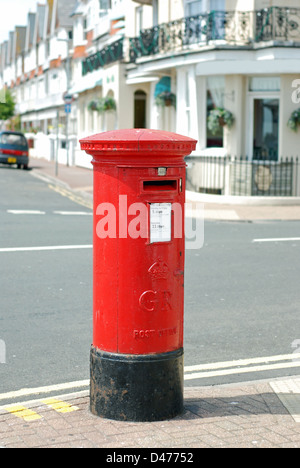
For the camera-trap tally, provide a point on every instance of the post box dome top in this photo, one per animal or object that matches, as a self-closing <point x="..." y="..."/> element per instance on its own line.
<point x="139" y="143"/>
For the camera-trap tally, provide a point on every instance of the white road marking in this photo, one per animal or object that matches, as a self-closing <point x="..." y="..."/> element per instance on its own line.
<point x="278" y="239"/>
<point x="50" y="388"/>
<point x="63" y="213"/>
<point x="73" y="213"/>
<point x="241" y="366"/>
<point x="243" y="362"/>
<point x="21" y="212"/>
<point x="202" y="375"/>
<point x="216" y="365"/>
<point x="37" y="249"/>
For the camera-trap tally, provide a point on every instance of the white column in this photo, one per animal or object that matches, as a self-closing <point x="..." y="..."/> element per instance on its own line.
<point x="153" y="108"/>
<point x="201" y="95"/>
<point x="181" y="115"/>
<point x="192" y="92"/>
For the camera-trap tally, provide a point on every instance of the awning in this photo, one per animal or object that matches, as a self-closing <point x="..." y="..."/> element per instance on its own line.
<point x="87" y="82"/>
<point x="164" y="85"/>
<point x="141" y="79"/>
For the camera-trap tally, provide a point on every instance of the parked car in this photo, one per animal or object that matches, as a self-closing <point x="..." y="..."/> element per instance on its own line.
<point x="14" y="149"/>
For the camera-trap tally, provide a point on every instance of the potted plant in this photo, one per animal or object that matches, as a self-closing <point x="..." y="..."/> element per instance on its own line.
<point x="218" y="118"/>
<point x="93" y="105"/>
<point x="294" y="120"/>
<point x="165" y="99"/>
<point x="107" y="103"/>
<point x="102" y="104"/>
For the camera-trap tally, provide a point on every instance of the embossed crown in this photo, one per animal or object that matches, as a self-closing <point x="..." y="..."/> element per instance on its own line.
<point x="159" y="270"/>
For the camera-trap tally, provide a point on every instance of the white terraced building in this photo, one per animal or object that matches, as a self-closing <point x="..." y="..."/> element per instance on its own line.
<point x="236" y="61"/>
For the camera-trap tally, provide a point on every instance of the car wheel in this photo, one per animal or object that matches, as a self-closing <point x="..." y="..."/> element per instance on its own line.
<point x="25" y="167"/>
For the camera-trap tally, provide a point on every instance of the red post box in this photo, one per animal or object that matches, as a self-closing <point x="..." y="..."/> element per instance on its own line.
<point x="137" y="352"/>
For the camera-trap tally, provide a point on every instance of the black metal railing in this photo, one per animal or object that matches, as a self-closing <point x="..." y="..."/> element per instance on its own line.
<point x="277" y="24"/>
<point x="109" y="54"/>
<point x="240" y="176"/>
<point x="242" y="28"/>
<point x="239" y="28"/>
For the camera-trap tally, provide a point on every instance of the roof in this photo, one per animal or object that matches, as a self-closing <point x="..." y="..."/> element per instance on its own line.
<point x="64" y="10"/>
<point x="42" y="18"/>
<point x="78" y="10"/>
<point x="50" y="12"/>
<point x="31" y="24"/>
<point x="20" y="39"/>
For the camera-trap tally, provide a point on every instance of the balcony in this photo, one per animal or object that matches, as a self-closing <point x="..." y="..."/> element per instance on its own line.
<point x="244" y="29"/>
<point x="38" y="104"/>
<point x="109" y="54"/>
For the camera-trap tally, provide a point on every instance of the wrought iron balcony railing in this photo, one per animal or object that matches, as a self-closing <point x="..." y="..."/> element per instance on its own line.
<point x="237" y="28"/>
<point x="109" y="54"/>
<point x="278" y="24"/>
<point x="231" y="28"/>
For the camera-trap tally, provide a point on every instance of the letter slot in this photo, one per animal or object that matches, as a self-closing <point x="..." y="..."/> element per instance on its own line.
<point x="159" y="185"/>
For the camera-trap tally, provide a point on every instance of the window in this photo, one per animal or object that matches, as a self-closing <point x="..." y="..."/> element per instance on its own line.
<point x="140" y="109"/>
<point x="266" y="129"/>
<point x="217" y="5"/>
<point x="155" y="12"/>
<point x="198" y="7"/>
<point x="264" y="99"/>
<point x="264" y="83"/>
<point x="13" y="139"/>
<point x="32" y="90"/>
<point x="138" y="20"/>
<point x="41" y="87"/>
<point x="46" y="82"/>
<point x="47" y="47"/>
<point x="194" y="7"/>
<point x="104" y="5"/>
<point x="215" y="90"/>
<point x="89" y="19"/>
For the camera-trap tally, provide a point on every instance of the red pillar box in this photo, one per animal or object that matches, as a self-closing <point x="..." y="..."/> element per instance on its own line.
<point x="137" y="352"/>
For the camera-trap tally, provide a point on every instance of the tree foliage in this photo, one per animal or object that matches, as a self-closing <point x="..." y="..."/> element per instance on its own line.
<point x="7" y="108"/>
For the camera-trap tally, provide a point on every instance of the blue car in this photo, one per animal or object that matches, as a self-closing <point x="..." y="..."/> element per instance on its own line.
<point x="14" y="149"/>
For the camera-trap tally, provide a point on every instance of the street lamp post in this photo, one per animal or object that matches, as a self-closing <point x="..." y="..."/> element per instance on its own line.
<point x="67" y="109"/>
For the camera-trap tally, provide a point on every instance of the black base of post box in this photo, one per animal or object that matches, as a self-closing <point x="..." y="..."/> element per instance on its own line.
<point x="136" y="387"/>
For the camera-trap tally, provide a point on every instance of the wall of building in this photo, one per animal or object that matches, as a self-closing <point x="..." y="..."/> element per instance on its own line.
<point x="240" y="5"/>
<point x="289" y="141"/>
<point x="235" y="102"/>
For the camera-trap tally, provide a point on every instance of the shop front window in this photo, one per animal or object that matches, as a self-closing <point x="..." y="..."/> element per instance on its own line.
<point x="264" y="94"/>
<point x="265" y="129"/>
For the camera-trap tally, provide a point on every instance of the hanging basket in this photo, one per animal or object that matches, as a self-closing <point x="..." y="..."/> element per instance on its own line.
<point x="103" y="104"/>
<point x="219" y="118"/>
<point x="165" y="99"/>
<point x="294" y="120"/>
<point x="107" y="104"/>
<point x="93" y="105"/>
